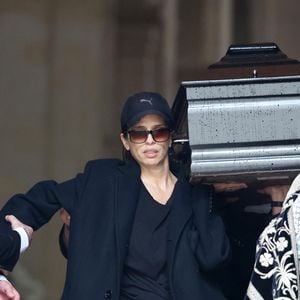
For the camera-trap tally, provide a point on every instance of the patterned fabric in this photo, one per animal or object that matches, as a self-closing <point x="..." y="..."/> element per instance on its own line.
<point x="275" y="274"/>
<point x="296" y="214"/>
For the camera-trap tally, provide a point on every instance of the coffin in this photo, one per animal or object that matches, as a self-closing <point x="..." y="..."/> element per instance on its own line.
<point x="240" y="119"/>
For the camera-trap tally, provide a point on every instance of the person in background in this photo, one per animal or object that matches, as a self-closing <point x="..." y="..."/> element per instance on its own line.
<point x="138" y="228"/>
<point x="12" y="245"/>
<point x="275" y="274"/>
<point x="245" y="214"/>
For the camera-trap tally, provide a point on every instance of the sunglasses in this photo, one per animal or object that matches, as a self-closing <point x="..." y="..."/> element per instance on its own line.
<point x="140" y="136"/>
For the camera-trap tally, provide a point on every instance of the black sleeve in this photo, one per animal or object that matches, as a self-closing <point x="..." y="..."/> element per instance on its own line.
<point x="210" y="242"/>
<point x="36" y="207"/>
<point x="39" y="204"/>
<point x="9" y="250"/>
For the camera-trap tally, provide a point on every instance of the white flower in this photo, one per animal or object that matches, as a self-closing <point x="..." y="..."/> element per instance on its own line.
<point x="282" y="243"/>
<point x="285" y="276"/>
<point x="266" y="259"/>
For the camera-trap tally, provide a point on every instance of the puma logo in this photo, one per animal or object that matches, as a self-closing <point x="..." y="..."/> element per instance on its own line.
<point x="146" y="100"/>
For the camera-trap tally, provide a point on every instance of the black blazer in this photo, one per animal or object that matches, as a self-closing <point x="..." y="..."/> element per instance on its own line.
<point x="102" y="203"/>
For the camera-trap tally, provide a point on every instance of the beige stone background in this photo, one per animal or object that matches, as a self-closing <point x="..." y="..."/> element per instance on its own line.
<point x="67" y="66"/>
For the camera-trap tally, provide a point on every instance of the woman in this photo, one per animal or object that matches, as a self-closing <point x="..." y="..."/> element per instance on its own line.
<point x="138" y="229"/>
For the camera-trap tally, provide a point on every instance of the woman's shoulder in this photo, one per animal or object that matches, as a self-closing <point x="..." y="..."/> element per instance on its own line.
<point x="112" y="167"/>
<point x="102" y="165"/>
<point x="105" y="162"/>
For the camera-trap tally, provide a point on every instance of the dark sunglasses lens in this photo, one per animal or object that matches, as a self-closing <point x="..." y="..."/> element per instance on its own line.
<point x="161" y="134"/>
<point x="138" y="136"/>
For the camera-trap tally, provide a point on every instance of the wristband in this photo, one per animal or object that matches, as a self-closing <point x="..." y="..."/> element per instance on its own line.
<point x="276" y="203"/>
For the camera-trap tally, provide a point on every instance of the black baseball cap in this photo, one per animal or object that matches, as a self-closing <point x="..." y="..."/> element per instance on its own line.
<point x="142" y="104"/>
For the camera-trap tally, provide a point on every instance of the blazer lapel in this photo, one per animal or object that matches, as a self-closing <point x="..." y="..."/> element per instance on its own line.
<point x="180" y="214"/>
<point x="127" y="192"/>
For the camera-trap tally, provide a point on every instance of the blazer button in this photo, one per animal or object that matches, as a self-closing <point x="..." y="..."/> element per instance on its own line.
<point x="108" y="294"/>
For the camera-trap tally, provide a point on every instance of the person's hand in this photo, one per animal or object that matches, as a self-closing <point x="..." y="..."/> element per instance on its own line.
<point x="277" y="194"/>
<point x="65" y="217"/>
<point x="15" y="223"/>
<point x="7" y="291"/>
<point x="229" y="186"/>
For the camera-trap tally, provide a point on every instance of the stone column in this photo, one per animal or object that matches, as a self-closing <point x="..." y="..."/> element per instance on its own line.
<point x="169" y="48"/>
<point x="277" y="21"/>
<point x="57" y="69"/>
<point x="82" y="73"/>
<point x="205" y="31"/>
<point x="217" y="32"/>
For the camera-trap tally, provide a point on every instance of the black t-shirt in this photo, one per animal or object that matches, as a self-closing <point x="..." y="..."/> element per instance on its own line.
<point x="145" y="271"/>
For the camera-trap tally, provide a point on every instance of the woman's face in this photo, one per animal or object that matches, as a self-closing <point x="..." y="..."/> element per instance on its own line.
<point x="148" y="153"/>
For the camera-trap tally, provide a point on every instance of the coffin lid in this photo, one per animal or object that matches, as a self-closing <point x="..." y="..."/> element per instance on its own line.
<point x="252" y="60"/>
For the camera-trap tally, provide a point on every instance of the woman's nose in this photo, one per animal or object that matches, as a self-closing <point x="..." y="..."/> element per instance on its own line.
<point x="150" y="139"/>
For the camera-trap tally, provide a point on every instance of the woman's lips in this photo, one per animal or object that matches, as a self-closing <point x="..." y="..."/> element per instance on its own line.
<point x="150" y="153"/>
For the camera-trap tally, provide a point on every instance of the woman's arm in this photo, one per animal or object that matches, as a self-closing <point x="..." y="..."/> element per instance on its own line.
<point x="208" y="238"/>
